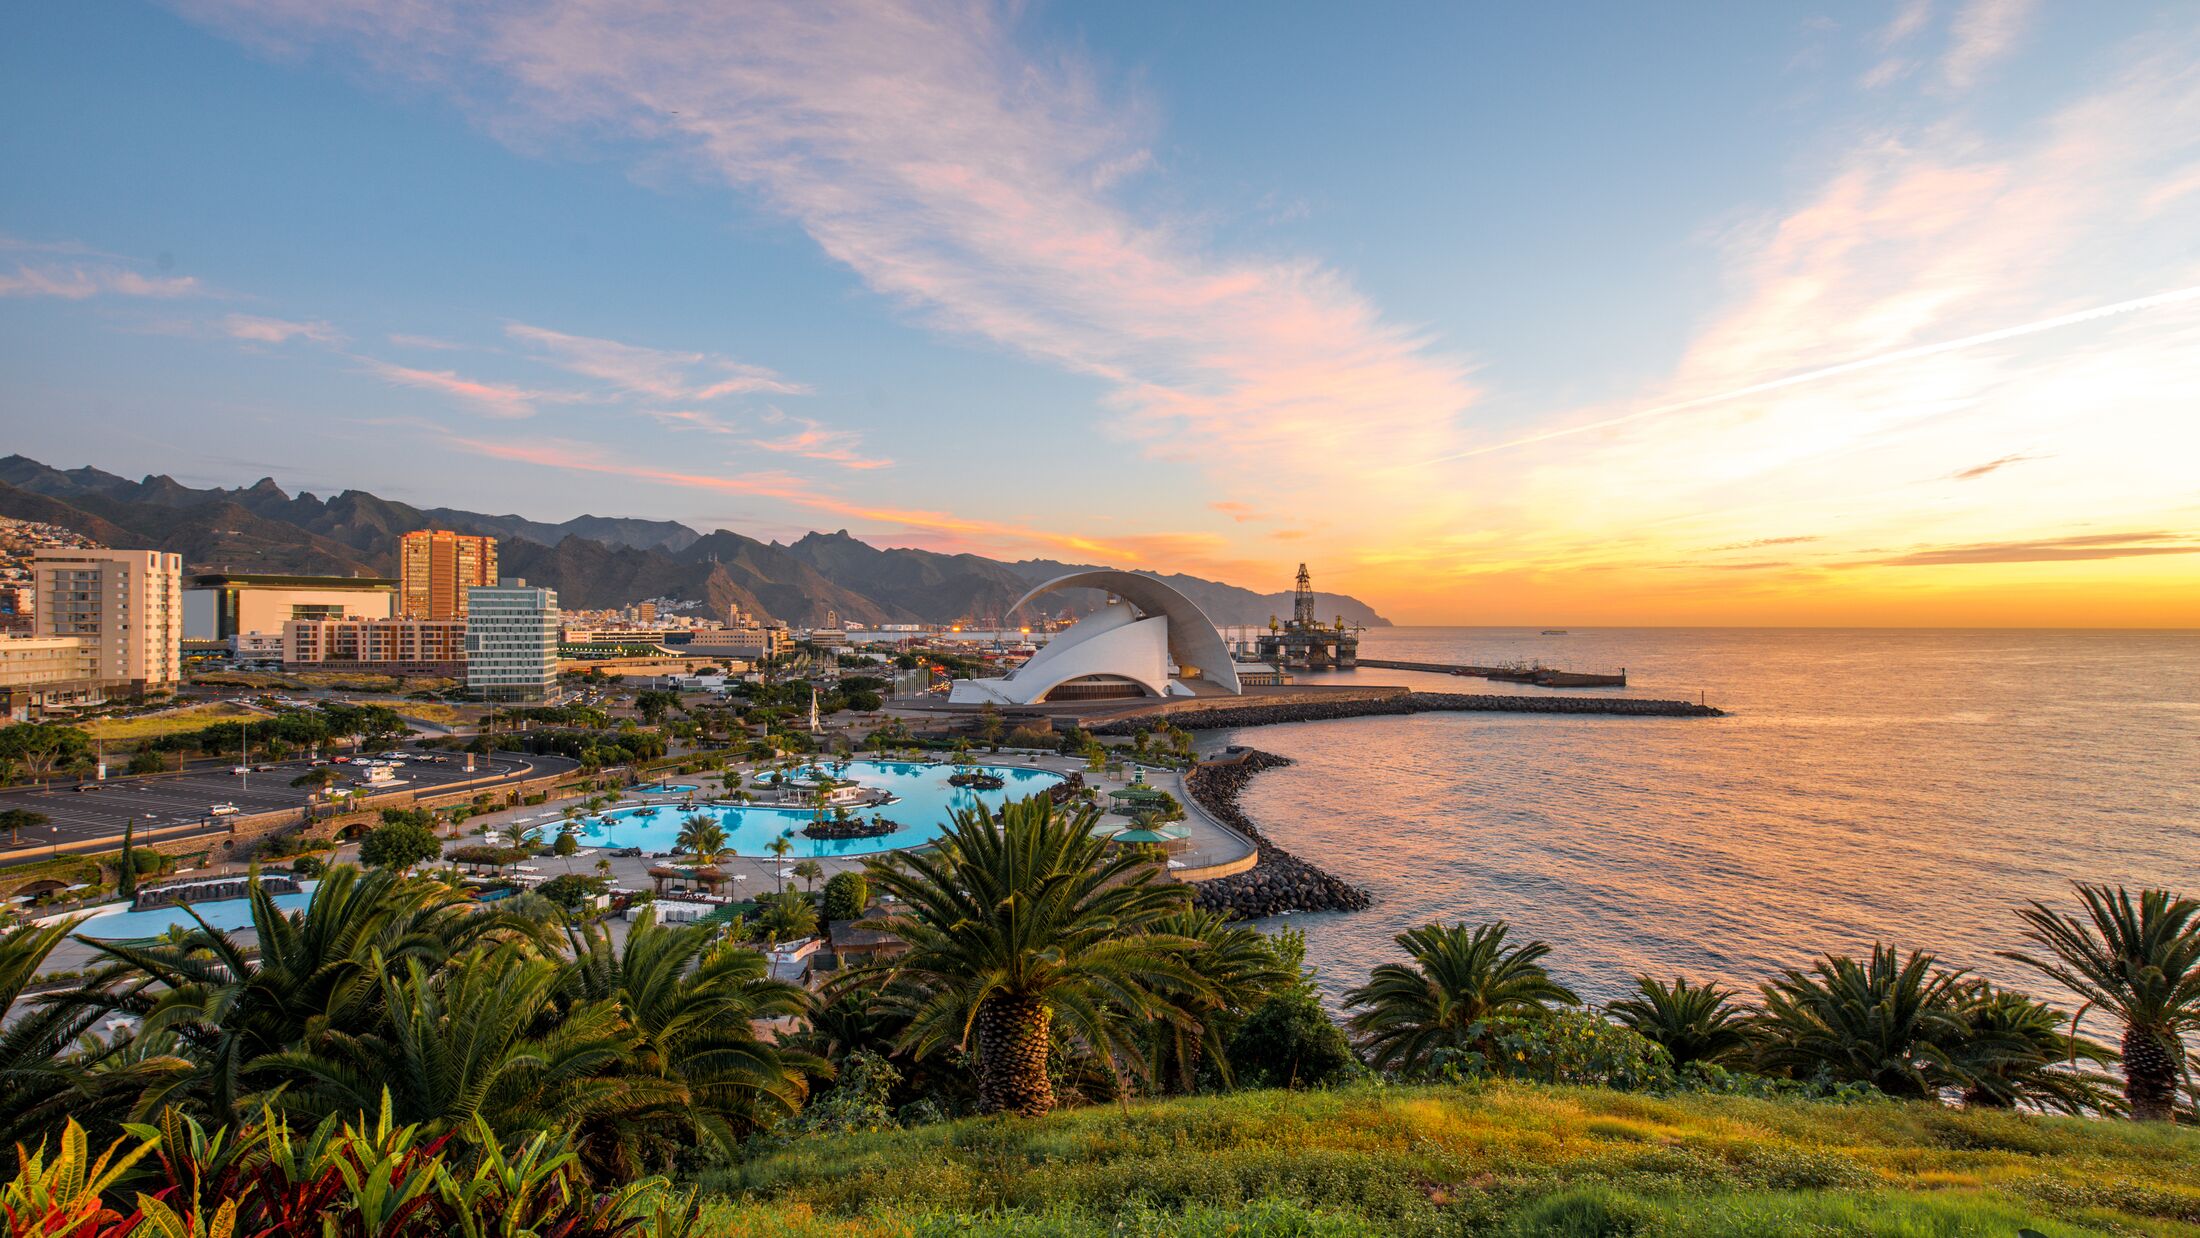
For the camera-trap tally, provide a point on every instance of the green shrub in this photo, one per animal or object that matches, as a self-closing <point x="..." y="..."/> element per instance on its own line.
<point x="1290" y="1041"/>
<point x="846" y="895"/>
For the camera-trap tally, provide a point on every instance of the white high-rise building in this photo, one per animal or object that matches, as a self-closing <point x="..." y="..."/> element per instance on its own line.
<point x="126" y="604"/>
<point x="511" y="641"/>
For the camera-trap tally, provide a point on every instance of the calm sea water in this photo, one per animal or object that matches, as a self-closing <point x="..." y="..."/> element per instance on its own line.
<point x="1913" y="787"/>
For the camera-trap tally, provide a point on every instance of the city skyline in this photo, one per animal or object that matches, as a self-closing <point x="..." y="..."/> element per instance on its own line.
<point x="1880" y="315"/>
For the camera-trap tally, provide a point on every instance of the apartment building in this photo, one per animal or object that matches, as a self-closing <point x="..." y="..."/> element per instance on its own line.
<point x="512" y="642"/>
<point x="435" y="569"/>
<point x="378" y="646"/>
<point x="126" y="604"/>
<point x="38" y="673"/>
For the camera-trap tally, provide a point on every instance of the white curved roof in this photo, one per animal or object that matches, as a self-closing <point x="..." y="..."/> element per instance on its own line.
<point x="1194" y="643"/>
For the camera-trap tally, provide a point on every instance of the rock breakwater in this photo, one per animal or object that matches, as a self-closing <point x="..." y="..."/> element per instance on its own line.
<point x="1253" y="711"/>
<point x="1278" y="881"/>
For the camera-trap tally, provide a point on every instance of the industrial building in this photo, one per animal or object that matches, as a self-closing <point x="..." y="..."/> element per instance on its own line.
<point x="219" y="606"/>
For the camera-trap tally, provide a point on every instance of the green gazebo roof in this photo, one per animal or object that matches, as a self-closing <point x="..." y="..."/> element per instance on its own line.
<point x="1162" y="834"/>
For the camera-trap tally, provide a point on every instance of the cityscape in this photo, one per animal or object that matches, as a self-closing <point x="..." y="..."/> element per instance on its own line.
<point x="899" y="618"/>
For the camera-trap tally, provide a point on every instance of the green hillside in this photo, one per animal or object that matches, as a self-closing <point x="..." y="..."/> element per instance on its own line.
<point x="1503" y="1158"/>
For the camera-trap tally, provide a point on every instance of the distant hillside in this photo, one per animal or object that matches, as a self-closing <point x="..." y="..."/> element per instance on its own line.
<point x="594" y="562"/>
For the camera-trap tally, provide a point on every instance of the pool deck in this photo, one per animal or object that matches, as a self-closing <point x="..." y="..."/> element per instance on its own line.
<point x="1214" y="849"/>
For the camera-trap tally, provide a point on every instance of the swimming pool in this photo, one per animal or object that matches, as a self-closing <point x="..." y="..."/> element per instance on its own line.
<point x="668" y="788"/>
<point x="924" y="800"/>
<point x="225" y="914"/>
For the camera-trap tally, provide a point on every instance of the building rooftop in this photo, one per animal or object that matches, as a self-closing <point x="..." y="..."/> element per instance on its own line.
<point x="227" y="580"/>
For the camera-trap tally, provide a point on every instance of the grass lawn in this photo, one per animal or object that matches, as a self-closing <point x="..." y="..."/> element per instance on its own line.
<point x="174" y="721"/>
<point x="1499" y="1159"/>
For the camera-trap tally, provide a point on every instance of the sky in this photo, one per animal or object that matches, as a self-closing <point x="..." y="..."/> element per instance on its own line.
<point x="1860" y="314"/>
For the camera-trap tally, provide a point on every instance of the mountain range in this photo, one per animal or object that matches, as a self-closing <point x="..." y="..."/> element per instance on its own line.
<point x="594" y="562"/>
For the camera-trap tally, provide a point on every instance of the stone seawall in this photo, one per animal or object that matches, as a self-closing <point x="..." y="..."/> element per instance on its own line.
<point x="1278" y="881"/>
<point x="1252" y="712"/>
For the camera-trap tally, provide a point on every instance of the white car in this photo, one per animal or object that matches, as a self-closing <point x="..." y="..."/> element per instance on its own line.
<point x="222" y="810"/>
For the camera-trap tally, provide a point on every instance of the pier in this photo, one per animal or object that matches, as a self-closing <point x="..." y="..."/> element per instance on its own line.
<point x="1541" y="676"/>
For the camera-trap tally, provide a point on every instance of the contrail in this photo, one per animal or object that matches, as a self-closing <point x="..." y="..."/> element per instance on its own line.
<point x="1846" y="367"/>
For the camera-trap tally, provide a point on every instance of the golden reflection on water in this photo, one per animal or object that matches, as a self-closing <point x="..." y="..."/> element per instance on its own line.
<point x="1907" y="786"/>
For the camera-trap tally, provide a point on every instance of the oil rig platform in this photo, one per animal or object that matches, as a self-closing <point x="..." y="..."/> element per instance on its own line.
<point x="1306" y="643"/>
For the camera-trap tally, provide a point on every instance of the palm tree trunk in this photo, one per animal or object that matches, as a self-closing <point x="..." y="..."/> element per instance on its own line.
<point x="2150" y="1074"/>
<point x="1013" y="1038"/>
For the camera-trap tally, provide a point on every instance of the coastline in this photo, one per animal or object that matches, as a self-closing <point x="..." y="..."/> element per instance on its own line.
<point x="1278" y="881"/>
<point x="1252" y="711"/>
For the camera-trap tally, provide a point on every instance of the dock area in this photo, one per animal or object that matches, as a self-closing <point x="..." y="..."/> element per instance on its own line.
<point x="1541" y="676"/>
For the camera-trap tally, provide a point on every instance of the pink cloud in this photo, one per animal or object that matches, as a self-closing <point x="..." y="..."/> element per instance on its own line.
<point x="816" y="442"/>
<point x="655" y="373"/>
<point x="495" y="399"/>
<point x="922" y="147"/>
<point x="278" y="331"/>
<point x="1982" y="32"/>
<point x="80" y="282"/>
<point x="429" y="342"/>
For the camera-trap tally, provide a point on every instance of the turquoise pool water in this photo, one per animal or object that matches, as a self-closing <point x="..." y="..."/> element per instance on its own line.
<point x="228" y="913"/>
<point x="669" y="788"/>
<point x="923" y="807"/>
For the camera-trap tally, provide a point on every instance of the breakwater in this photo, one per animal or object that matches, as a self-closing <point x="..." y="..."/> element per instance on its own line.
<point x="1536" y="673"/>
<point x="1278" y="881"/>
<point x="1255" y="711"/>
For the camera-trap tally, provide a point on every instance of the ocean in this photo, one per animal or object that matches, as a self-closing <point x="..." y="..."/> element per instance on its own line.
<point x="1901" y="786"/>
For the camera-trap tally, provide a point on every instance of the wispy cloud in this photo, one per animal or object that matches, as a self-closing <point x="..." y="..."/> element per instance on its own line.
<point x="1982" y="32"/>
<point x="429" y="342"/>
<point x="1761" y="542"/>
<point x="920" y="145"/>
<point x="655" y="373"/>
<point x="257" y="330"/>
<point x="2051" y="550"/>
<point x="1242" y="513"/>
<point x="81" y="281"/>
<point x="591" y="458"/>
<point x="1991" y="466"/>
<point x="496" y="399"/>
<point x="813" y="441"/>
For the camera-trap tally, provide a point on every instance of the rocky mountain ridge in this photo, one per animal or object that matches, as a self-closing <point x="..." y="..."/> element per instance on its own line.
<point x="594" y="562"/>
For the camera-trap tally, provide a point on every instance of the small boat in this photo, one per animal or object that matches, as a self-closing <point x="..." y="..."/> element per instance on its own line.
<point x="1556" y="632"/>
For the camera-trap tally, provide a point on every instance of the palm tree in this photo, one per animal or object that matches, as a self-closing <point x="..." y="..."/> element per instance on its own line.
<point x="315" y="975"/>
<point x="2018" y="1050"/>
<point x="692" y="1003"/>
<point x="476" y="1041"/>
<point x="809" y="871"/>
<point x="1238" y="969"/>
<point x="1692" y="1022"/>
<point x="2140" y="963"/>
<point x="1891" y="1023"/>
<point x="1020" y="927"/>
<point x="1411" y="1015"/>
<point x="47" y="1073"/>
<point x="701" y="836"/>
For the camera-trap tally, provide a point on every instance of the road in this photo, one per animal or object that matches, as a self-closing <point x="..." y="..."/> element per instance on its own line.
<point x="160" y="801"/>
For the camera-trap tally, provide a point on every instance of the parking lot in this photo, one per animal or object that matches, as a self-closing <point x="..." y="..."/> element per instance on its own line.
<point x="162" y="801"/>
